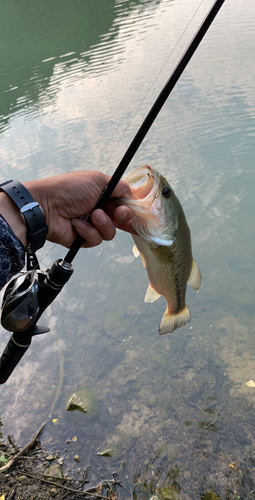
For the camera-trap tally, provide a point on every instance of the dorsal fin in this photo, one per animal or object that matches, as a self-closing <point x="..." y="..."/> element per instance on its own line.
<point x="151" y="295"/>
<point x="195" y="277"/>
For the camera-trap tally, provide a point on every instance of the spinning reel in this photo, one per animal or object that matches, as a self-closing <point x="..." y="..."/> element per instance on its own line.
<point x="20" y="307"/>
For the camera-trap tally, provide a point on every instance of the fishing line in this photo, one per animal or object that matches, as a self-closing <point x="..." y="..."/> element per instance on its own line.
<point x="50" y="250"/>
<point x="151" y="86"/>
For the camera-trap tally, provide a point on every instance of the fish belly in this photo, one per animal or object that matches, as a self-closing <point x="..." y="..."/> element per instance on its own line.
<point x="168" y="273"/>
<point x="164" y="272"/>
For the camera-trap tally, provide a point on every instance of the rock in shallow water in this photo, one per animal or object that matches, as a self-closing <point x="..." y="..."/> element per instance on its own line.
<point x="83" y="400"/>
<point x="53" y="470"/>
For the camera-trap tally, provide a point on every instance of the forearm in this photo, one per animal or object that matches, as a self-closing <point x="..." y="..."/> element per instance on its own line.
<point x="12" y="215"/>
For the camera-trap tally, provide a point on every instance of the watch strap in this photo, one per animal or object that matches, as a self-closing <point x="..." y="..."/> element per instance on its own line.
<point x="30" y="210"/>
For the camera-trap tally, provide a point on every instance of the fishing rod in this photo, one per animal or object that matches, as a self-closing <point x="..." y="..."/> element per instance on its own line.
<point x="28" y="295"/>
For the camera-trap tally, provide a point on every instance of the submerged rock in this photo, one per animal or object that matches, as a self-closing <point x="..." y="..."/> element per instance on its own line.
<point x="151" y="401"/>
<point x="210" y="495"/>
<point x="113" y="325"/>
<point x="170" y="493"/>
<point x="53" y="492"/>
<point x="23" y="479"/>
<point x="53" y="470"/>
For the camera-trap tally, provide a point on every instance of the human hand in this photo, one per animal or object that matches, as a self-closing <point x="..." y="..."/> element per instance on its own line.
<point x="67" y="197"/>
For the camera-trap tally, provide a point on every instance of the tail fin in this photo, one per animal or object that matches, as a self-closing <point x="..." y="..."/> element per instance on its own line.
<point x="170" y="322"/>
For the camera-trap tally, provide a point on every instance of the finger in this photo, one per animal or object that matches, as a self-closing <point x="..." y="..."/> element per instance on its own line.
<point x="103" y="224"/>
<point x="102" y="228"/>
<point x="118" y="213"/>
<point x="121" y="216"/>
<point x="88" y="232"/>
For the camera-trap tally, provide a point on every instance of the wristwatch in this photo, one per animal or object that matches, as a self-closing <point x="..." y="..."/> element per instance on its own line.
<point x="31" y="212"/>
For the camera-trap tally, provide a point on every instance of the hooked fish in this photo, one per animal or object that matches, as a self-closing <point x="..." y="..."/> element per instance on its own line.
<point x="164" y="244"/>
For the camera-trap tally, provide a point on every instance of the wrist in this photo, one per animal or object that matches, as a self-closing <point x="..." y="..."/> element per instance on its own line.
<point x="13" y="217"/>
<point x="39" y="191"/>
<point x="29" y="210"/>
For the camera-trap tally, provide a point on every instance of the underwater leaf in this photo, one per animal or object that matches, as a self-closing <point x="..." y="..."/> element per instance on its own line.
<point x="105" y="453"/>
<point x="83" y="400"/>
<point x="73" y="439"/>
<point x="99" y="487"/>
<point x="112" y="451"/>
<point x="76" y="403"/>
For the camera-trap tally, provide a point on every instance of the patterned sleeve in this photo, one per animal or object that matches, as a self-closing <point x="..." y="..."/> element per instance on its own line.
<point x="12" y="253"/>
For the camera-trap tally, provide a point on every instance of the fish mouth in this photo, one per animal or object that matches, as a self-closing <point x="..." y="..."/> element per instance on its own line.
<point x="144" y="182"/>
<point x="148" y="213"/>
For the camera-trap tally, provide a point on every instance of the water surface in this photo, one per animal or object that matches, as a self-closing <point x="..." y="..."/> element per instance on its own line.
<point x="77" y="79"/>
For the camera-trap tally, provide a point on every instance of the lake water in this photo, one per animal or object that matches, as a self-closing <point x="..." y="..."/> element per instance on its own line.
<point x="77" y="79"/>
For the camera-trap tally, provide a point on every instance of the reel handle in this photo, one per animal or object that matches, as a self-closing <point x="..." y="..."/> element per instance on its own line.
<point x="15" y="349"/>
<point x="11" y="356"/>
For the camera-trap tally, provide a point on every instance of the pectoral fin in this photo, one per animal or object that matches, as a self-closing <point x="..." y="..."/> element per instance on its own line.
<point x="135" y="251"/>
<point x="151" y="295"/>
<point x="136" y="254"/>
<point x="170" y="322"/>
<point x="195" y="278"/>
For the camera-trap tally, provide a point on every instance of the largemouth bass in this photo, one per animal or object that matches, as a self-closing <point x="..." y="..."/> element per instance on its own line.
<point x="164" y="244"/>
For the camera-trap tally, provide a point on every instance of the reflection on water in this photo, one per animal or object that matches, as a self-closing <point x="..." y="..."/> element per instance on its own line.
<point x="40" y="41"/>
<point x="175" y="411"/>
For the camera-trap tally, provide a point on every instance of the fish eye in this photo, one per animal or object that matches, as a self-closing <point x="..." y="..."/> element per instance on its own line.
<point x="166" y="191"/>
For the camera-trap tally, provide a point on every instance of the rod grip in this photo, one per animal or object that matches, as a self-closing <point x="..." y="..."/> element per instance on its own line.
<point x="11" y="356"/>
